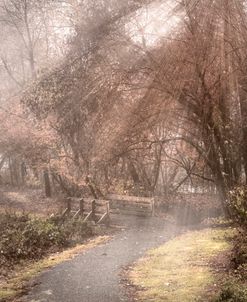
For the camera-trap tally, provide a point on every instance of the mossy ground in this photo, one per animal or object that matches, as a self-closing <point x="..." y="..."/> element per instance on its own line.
<point x="25" y="272"/>
<point x="180" y="270"/>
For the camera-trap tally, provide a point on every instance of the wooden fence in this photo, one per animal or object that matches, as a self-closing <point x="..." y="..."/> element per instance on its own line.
<point x="131" y="205"/>
<point x="96" y="210"/>
<point x="99" y="210"/>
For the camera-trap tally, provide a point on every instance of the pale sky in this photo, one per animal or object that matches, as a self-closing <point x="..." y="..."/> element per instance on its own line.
<point x="153" y="22"/>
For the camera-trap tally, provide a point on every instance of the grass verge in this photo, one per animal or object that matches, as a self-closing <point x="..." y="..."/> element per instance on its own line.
<point x="180" y="270"/>
<point x="26" y="271"/>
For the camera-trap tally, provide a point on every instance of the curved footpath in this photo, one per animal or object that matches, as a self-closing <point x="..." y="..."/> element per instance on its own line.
<point x="94" y="276"/>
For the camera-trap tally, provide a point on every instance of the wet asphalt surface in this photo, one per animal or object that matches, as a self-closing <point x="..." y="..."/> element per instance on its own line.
<point x="94" y="276"/>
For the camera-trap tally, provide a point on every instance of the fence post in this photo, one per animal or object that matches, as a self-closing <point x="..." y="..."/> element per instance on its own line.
<point x="108" y="213"/>
<point x="69" y="204"/>
<point x="81" y="206"/>
<point x="94" y="210"/>
<point x="68" y="209"/>
<point x="153" y="203"/>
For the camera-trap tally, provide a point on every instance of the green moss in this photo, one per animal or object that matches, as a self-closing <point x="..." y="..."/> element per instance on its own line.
<point x="179" y="270"/>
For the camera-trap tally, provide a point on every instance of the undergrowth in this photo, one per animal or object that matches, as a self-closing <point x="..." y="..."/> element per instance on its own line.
<point x="25" y="238"/>
<point x="232" y="291"/>
<point x="235" y="289"/>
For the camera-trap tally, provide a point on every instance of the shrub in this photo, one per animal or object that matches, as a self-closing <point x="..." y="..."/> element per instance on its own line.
<point x="232" y="292"/>
<point x="240" y="249"/>
<point x="22" y="237"/>
<point x="238" y="204"/>
<point x="242" y="272"/>
<point x="76" y="230"/>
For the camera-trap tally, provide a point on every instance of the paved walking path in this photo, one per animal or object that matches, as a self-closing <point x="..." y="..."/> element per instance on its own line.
<point x="95" y="275"/>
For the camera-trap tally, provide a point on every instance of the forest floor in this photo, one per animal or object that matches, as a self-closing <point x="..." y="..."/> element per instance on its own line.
<point x="31" y="201"/>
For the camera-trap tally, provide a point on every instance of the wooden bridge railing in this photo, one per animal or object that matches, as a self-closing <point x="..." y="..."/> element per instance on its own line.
<point x="96" y="210"/>
<point x="131" y="205"/>
<point x="99" y="210"/>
